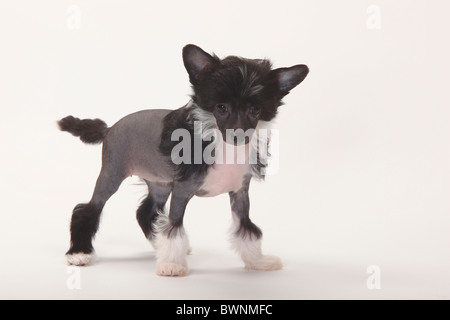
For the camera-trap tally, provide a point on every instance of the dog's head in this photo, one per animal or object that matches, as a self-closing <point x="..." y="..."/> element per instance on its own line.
<point x="238" y="92"/>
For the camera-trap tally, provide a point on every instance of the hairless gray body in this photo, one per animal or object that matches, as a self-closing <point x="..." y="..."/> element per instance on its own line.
<point x="131" y="148"/>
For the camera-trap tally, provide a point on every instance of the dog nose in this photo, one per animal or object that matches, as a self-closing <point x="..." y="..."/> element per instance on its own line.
<point x="237" y="136"/>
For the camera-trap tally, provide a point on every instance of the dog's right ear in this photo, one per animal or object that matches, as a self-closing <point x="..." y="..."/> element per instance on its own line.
<point x="287" y="79"/>
<point x="197" y="62"/>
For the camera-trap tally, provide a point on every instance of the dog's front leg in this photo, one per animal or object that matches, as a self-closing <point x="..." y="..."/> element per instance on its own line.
<point x="171" y="241"/>
<point x="246" y="236"/>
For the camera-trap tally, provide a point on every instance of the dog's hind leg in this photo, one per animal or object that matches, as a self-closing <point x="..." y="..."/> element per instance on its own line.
<point x="152" y="206"/>
<point x="86" y="217"/>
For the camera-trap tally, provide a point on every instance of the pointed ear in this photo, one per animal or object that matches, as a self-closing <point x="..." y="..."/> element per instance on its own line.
<point x="288" y="78"/>
<point x="197" y="62"/>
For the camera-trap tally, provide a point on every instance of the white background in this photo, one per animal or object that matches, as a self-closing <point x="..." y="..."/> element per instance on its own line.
<point x="364" y="175"/>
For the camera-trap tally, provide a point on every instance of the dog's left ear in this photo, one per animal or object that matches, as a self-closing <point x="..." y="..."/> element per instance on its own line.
<point x="197" y="62"/>
<point x="287" y="79"/>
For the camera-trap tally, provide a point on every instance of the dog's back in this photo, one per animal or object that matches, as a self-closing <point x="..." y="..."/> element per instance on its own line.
<point x="131" y="146"/>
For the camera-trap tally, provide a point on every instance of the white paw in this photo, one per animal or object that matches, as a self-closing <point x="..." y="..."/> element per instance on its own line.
<point x="170" y="269"/>
<point x="264" y="263"/>
<point x="80" y="259"/>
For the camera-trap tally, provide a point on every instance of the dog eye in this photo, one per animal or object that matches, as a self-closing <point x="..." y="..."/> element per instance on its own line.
<point x="255" y="111"/>
<point x="222" y="108"/>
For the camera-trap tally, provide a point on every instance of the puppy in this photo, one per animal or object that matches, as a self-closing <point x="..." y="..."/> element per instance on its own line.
<point x="210" y="146"/>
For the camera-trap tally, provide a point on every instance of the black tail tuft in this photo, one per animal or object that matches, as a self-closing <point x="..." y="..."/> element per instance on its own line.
<point x="89" y="131"/>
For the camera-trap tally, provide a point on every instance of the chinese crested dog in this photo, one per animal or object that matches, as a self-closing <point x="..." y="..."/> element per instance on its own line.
<point x="215" y="144"/>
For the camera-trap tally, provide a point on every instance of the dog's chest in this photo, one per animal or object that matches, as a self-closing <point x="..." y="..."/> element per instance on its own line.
<point x="228" y="173"/>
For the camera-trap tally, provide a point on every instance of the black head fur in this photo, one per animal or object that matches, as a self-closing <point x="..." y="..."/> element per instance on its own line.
<point x="239" y="84"/>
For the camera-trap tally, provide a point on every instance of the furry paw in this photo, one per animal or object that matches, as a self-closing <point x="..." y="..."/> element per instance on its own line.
<point x="79" y="259"/>
<point x="170" y="269"/>
<point x="265" y="263"/>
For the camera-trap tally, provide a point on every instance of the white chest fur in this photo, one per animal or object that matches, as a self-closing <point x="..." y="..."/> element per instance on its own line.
<point x="228" y="172"/>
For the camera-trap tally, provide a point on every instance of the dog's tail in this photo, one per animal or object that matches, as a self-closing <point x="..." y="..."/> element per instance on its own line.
<point x="89" y="131"/>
